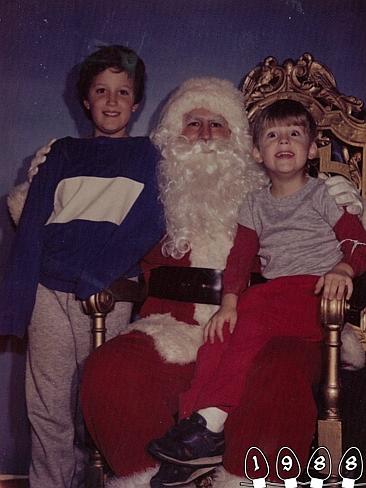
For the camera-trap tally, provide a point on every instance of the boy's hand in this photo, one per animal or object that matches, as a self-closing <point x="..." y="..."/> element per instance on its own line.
<point x="215" y="325"/>
<point x="39" y="158"/>
<point x="336" y="282"/>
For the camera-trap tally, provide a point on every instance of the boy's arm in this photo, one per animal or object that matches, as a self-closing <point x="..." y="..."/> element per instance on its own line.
<point x="236" y="277"/>
<point x="352" y="238"/>
<point x="18" y="288"/>
<point x="240" y="260"/>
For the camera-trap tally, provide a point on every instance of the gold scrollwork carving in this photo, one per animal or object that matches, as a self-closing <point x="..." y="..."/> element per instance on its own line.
<point x="306" y="77"/>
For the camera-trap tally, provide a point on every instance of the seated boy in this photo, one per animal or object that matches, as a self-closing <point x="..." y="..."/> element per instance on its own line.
<point x="91" y="214"/>
<point x="306" y="244"/>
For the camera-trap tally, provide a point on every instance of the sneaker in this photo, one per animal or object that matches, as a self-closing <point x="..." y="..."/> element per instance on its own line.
<point x="191" y="444"/>
<point x="174" y="475"/>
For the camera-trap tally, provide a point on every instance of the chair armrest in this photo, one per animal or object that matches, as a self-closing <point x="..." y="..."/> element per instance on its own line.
<point x="99" y="305"/>
<point x="125" y="290"/>
<point x="332" y="314"/>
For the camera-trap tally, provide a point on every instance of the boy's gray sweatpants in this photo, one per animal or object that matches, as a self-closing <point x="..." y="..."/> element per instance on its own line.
<point x="59" y="342"/>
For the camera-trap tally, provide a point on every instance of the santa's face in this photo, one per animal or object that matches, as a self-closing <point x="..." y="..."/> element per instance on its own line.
<point x="201" y="124"/>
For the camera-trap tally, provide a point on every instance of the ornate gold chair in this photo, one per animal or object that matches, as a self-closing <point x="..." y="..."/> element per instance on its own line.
<point x="342" y="150"/>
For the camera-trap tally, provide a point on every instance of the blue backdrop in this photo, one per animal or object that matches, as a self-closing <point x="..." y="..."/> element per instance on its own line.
<point x="41" y="42"/>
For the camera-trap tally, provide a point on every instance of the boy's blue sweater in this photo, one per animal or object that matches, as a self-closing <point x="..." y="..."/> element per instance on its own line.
<point x="91" y="214"/>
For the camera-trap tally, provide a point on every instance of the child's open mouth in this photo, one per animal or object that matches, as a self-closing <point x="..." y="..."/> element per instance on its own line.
<point x="284" y="155"/>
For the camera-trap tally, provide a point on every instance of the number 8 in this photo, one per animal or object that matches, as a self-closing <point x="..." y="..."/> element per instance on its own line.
<point x="319" y="463"/>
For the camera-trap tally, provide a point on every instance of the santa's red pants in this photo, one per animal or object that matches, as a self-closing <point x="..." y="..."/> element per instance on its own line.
<point x="130" y="394"/>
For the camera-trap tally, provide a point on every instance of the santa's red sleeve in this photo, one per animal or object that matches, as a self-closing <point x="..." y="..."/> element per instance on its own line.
<point x="241" y="260"/>
<point x="352" y="237"/>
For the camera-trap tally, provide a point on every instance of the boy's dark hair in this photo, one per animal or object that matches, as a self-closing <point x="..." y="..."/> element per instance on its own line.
<point x="287" y="111"/>
<point x="120" y="58"/>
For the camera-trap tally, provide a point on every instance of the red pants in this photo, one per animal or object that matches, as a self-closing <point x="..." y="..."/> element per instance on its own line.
<point x="284" y="307"/>
<point x="129" y="396"/>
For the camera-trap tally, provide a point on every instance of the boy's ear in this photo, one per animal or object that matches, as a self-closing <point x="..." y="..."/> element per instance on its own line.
<point x="313" y="150"/>
<point x="135" y="107"/>
<point x="257" y="155"/>
<point x="86" y="104"/>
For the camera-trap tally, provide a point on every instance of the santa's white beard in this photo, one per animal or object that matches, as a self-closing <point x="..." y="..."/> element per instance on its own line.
<point x="201" y="187"/>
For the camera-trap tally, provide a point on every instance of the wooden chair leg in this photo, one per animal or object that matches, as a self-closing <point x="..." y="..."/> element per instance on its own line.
<point x="330" y="422"/>
<point x="97" y="307"/>
<point x="95" y="475"/>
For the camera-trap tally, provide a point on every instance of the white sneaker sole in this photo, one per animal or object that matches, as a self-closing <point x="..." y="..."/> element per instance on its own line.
<point x="208" y="461"/>
<point x="196" y="474"/>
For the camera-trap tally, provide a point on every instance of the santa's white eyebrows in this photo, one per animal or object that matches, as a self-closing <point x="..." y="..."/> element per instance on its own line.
<point x="197" y="118"/>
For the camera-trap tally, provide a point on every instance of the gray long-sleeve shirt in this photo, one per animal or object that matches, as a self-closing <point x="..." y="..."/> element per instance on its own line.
<point x="295" y="232"/>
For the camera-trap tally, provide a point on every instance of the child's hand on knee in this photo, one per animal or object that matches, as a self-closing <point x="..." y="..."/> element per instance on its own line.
<point x="226" y="314"/>
<point x="215" y="326"/>
<point x="336" y="282"/>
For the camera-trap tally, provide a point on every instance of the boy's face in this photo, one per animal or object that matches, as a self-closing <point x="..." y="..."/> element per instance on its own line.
<point x="284" y="149"/>
<point x="111" y="103"/>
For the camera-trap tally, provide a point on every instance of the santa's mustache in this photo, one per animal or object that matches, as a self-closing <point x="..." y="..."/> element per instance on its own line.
<point x="183" y="149"/>
<point x="185" y="161"/>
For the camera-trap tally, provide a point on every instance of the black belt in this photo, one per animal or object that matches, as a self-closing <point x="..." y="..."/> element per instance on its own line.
<point x="193" y="285"/>
<point x="182" y="284"/>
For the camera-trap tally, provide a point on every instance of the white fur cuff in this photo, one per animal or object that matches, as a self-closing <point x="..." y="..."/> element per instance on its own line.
<point x="176" y="342"/>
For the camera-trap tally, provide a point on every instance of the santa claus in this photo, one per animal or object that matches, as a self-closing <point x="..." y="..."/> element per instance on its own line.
<point x="131" y="385"/>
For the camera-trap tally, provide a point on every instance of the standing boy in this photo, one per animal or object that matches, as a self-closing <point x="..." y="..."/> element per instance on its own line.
<point x="297" y="230"/>
<point x="91" y="214"/>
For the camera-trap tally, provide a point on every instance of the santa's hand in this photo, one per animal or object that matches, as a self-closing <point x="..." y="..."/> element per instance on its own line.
<point x="39" y="158"/>
<point x="345" y="194"/>
<point x="215" y="326"/>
